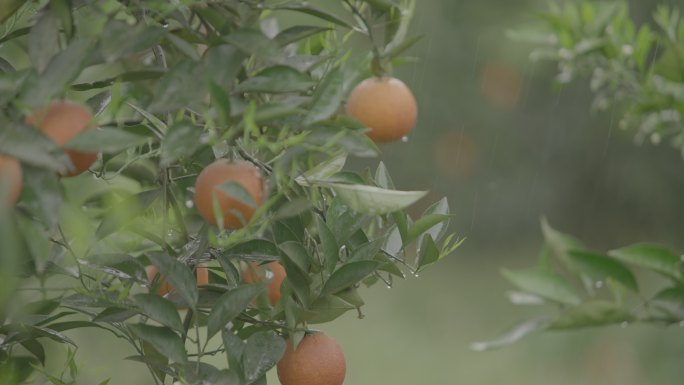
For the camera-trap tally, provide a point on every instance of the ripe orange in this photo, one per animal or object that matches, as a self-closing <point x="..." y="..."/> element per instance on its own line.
<point x="318" y="360"/>
<point x="201" y="273"/>
<point x="235" y="213"/>
<point x="10" y="179"/>
<point x="386" y="106"/>
<point x="61" y="121"/>
<point x="252" y="274"/>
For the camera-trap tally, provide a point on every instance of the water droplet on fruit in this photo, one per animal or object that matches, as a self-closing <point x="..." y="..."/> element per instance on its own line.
<point x="269" y="274"/>
<point x="189" y="203"/>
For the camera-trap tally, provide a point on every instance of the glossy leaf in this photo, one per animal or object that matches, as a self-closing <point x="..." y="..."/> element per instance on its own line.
<point x="348" y="275"/>
<point x="230" y="305"/>
<point x="160" y="310"/>
<point x="178" y="275"/>
<point x="653" y="257"/>
<point x="373" y="200"/>
<point x="163" y="339"/>
<point x="600" y="267"/>
<point x="544" y="284"/>
<point x="262" y="351"/>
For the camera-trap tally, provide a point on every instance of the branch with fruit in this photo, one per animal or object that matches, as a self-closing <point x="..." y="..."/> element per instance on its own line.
<point x="175" y="174"/>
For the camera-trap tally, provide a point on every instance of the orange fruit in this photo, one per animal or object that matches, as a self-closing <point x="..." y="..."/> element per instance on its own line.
<point x="10" y="179"/>
<point x="386" y="106"/>
<point x="201" y="274"/>
<point x="502" y="85"/>
<point x="318" y="360"/>
<point x="235" y="212"/>
<point x="251" y="274"/>
<point x="61" y="121"/>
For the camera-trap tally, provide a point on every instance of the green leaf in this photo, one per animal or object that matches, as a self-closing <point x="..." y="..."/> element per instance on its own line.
<point x="424" y="224"/>
<point x="9" y="7"/>
<point x="43" y="41"/>
<point x="16" y="369"/>
<point x="314" y="11"/>
<point x="296" y="33"/>
<point x="114" y="314"/>
<point x="296" y="277"/>
<point x="517" y="333"/>
<point x="544" y="284"/>
<point x="63" y="68"/>
<point x="327" y="97"/>
<point x="119" y="39"/>
<point x="182" y="139"/>
<point x="238" y="192"/>
<point x="329" y="246"/>
<point x="348" y="275"/>
<point x="30" y="146"/>
<point x="396" y="51"/>
<point x="651" y="256"/>
<point x="592" y="313"/>
<point x="109" y="141"/>
<point x="127" y="210"/>
<point x="428" y="253"/>
<point x="560" y="243"/>
<point x="381" y="5"/>
<point x="297" y="253"/>
<point x="256" y="250"/>
<point x="132" y="76"/>
<point x="178" y="275"/>
<point x="324" y="170"/>
<point x="42" y="194"/>
<point x="262" y="351"/>
<point x="35" y="348"/>
<point x="62" y="8"/>
<point x="163" y="339"/>
<point x="36" y="241"/>
<point x="374" y="200"/>
<point x="327" y="309"/>
<point x="234" y="349"/>
<point x="253" y="42"/>
<point x="671" y="301"/>
<point x="185" y="85"/>
<point x="160" y="310"/>
<point x="293" y="208"/>
<point x="230" y="305"/>
<point x="600" y="267"/>
<point x="367" y="250"/>
<point x="276" y="79"/>
<point x="383" y="178"/>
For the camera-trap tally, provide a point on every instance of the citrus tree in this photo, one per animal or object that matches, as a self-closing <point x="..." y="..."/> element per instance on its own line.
<point x="174" y="175"/>
<point x="637" y="71"/>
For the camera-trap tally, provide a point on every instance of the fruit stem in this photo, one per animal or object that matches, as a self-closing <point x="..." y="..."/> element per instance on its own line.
<point x="369" y="30"/>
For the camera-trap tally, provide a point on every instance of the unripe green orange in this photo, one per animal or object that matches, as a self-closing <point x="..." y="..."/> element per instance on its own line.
<point x="61" y="121"/>
<point x="235" y="213"/>
<point x="386" y="106"/>
<point x="10" y="179"/>
<point x="318" y="360"/>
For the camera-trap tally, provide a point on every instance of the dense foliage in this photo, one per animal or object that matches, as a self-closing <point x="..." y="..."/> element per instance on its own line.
<point x="174" y="86"/>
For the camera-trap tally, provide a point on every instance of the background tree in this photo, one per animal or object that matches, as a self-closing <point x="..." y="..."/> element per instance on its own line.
<point x="638" y="71"/>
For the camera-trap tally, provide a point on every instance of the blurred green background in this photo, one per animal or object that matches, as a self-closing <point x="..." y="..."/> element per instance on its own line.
<point x="506" y="148"/>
